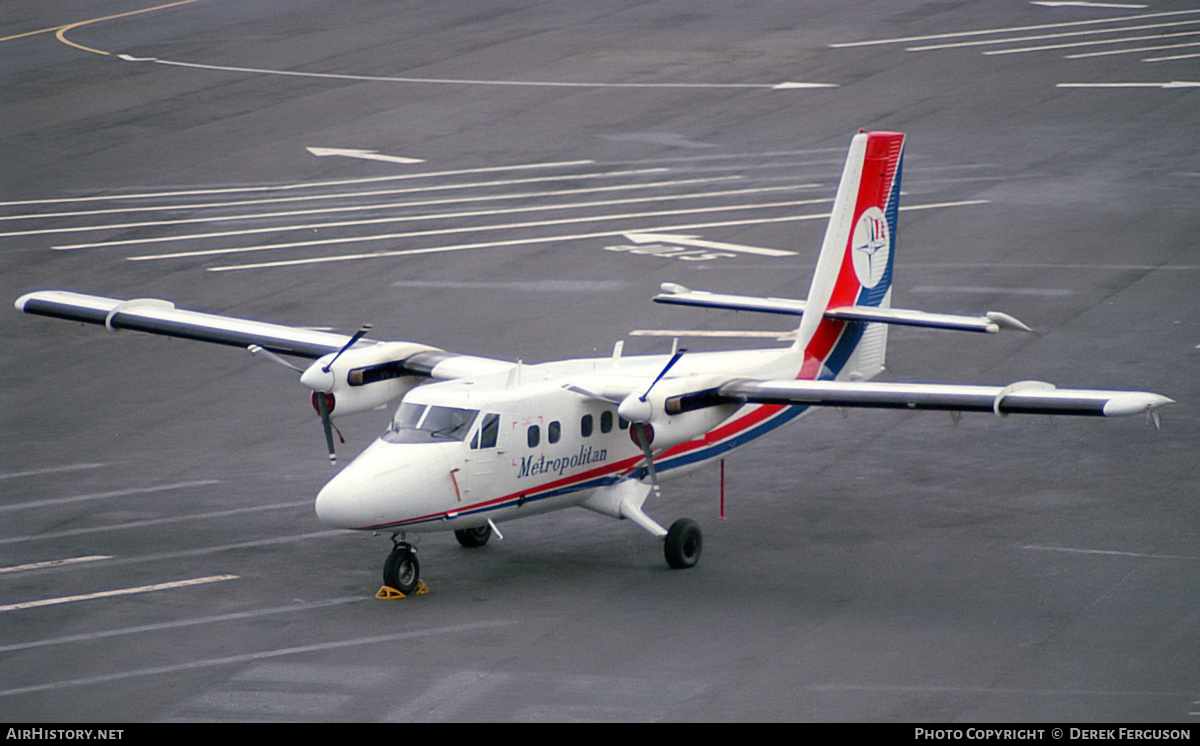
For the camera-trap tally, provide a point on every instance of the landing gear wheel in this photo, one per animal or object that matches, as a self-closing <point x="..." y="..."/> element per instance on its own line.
<point x="401" y="570"/>
<point x="683" y="544"/>
<point x="472" y="538"/>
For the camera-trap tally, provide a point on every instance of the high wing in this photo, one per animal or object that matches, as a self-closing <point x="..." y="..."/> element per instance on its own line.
<point x="348" y="375"/>
<point x="156" y="316"/>
<point x="991" y="322"/>
<point x="1025" y="397"/>
<point x="162" y="317"/>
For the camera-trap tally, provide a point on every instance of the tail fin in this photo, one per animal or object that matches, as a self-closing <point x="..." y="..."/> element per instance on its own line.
<point x="855" y="264"/>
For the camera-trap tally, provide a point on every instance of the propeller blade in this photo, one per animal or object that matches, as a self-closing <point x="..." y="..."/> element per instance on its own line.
<point x="357" y="336"/>
<point x="674" y="359"/>
<point x="643" y="439"/>
<point x="255" y="350"/>
<point x="326" y="422"/>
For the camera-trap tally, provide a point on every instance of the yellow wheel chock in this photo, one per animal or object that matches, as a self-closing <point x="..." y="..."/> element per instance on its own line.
<point x="386" y="592"/>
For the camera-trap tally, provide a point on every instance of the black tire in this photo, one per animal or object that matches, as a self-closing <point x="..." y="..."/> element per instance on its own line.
<point x="402" y="571"/>
<point x="473" y="538"/>
<point x="683" y="544"/>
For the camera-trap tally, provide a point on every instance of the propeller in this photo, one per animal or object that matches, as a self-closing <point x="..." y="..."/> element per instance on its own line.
<point x="323" y="399"/>
<point x="321" y="382"/>
<point x="638" y="412"/>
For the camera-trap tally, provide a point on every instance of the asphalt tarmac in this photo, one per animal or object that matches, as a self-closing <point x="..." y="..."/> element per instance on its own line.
<point x="463" y="175"/>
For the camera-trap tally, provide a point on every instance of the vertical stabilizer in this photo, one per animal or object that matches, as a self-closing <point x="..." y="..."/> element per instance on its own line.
<point x="855" y="264"/>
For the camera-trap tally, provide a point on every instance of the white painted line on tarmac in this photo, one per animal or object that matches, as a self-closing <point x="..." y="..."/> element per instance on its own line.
<point x="336" y="195"/>
<point x="295" y="186"/>
<point x="1138" y="50"/>
<point x="160" y="626"/>
<point x="104" y="495"/>
<point x="1062" y="35"/>
<point x="373" y="206"/>
<point x="1043" y="292"/>
<point x="149" y="522"/>
<point x="581" y="236"/>
<point x="243" y="659"/>
<point x="432" y="216"/>
<point x="785" y="85"/>
<point x="468" y="229"/>
<point x="1172" y="57"/>
<point x="1009" y="29"/>
<point x="50" y="470"/>
<point x="1095" y="43"/>
<point x="117" y="592"/>
<point x="1108" y="552"/>
<point x="54" y="563"/>
<point x="479" y="245"/>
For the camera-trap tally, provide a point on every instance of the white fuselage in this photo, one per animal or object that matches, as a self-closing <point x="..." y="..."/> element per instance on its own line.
<point x="508" y="445"/>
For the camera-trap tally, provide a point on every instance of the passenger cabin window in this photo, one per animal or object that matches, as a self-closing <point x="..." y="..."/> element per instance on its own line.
<point x="585" y="425"/>
<point x="553" y="432"/>
<point x="423" y="423"/>
<point x="534" y="436"/>
<point x="606" y="418"/>
<point x="485" y="436"/>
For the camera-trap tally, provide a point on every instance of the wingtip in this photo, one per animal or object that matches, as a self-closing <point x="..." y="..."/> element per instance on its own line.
<point x="1004" y="321"/>
<point x="1135" y="402"/>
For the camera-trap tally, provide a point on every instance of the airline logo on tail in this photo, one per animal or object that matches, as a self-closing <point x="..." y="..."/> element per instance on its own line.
<point x="871" y="244"/>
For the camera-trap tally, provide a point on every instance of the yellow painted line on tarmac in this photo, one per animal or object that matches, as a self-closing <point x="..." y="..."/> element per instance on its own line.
<point x="61" y="31"/>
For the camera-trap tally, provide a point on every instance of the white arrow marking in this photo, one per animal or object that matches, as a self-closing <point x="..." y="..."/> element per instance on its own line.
<point x="677" y="239"/>
<point x="792" y="85"/>
<point x="367" y="155"/>
<point x="1172" y="84"/>
<point x="1083" y="4"/>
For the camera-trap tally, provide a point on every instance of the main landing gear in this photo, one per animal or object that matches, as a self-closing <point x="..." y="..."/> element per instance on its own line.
<point x="682" y="544"/>
<point x="473" y="538"/>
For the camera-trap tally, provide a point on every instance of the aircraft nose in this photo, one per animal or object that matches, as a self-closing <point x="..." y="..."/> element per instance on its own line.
<point x="340" y="502"/>
<point x="388" y="484"/>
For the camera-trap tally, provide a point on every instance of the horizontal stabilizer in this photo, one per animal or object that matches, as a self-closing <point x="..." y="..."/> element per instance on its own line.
<point x="991" y="322"/>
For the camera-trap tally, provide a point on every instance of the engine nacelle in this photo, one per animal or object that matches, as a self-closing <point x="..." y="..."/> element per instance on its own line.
<point x="669" y="424"/>
<point x="364" y="378"/>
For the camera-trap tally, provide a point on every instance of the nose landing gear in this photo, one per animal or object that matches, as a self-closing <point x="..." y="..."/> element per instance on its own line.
<point x="402" y="571"/>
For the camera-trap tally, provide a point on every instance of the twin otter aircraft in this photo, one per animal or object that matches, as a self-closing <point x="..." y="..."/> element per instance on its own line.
<point x="478" y="441"/>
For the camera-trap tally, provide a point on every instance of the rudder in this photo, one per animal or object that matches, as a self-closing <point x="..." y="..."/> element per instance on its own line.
<point x="855" y="264"/>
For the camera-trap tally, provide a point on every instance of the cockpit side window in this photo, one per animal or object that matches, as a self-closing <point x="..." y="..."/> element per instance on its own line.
<point x="486" y="436"/>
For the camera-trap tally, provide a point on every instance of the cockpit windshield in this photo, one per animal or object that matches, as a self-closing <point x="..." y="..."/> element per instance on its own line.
<point x="421" y="423"/>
